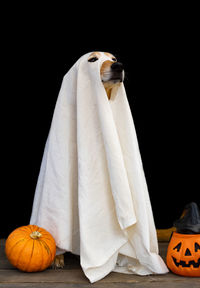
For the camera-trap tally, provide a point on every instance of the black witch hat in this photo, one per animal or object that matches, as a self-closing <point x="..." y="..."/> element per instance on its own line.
<point x="189" y="222"/>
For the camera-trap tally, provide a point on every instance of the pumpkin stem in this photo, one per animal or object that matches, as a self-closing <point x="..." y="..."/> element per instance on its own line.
<point x="35" y="235"/>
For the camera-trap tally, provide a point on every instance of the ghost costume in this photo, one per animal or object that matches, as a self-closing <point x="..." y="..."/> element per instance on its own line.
<point x="91" y="193"/>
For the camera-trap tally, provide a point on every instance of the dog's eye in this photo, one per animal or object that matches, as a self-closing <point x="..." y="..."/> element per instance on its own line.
<point x="93" y="59"/>
<point x="114" y="59"/>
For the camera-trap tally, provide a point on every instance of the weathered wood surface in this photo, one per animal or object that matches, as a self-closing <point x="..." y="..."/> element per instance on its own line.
<point x="72" y="276"/>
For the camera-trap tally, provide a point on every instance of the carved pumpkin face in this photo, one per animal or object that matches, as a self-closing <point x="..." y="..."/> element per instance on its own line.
<point x="183" y="254"/>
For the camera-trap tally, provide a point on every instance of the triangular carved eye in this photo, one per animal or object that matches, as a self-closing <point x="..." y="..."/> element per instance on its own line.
<point x="197" y="247"/>
<point x="178" y="247"/>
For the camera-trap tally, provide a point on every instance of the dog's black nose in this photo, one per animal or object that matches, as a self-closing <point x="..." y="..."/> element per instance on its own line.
<point x="117" y="66"/>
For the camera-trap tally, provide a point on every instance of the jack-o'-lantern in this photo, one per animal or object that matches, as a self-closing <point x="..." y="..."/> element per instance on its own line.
<point x="183" y="254"/>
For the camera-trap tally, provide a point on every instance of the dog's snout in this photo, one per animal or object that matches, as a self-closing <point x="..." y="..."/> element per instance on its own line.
<point x="117" y="66"/>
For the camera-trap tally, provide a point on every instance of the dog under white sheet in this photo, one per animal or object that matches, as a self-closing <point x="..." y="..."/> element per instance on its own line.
<point x="91" y="193"/>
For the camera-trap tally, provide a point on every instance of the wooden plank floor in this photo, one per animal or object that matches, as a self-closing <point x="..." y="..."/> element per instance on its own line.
<point x="72" y="276"/>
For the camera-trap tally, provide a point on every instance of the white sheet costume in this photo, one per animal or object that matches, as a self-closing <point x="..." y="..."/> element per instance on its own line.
<point x="91" y="193"/>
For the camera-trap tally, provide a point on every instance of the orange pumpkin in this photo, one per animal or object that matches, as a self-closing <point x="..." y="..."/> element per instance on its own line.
<point x="30" y="248"/>
<point x="183" y="254"/>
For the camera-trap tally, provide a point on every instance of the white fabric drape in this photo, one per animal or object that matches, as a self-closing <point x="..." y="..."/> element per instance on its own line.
<point x="91" y="193"/>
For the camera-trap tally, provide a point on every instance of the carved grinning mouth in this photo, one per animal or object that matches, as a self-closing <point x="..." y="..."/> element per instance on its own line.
<point x="184" y="264"/>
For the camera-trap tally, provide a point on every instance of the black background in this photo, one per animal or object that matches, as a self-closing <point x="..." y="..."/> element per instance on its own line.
<point x="160" y="53"/>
